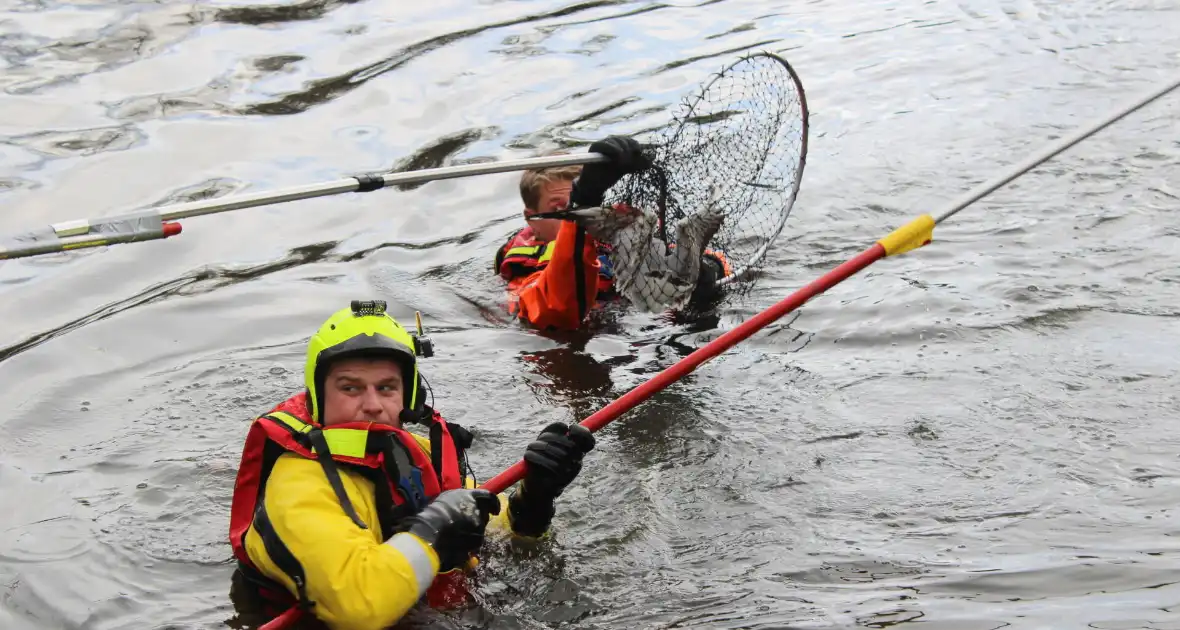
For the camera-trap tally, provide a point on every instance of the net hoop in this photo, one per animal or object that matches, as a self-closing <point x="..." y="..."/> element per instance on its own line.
<point x="759" y="141"/>
<point x="760" y="254"/>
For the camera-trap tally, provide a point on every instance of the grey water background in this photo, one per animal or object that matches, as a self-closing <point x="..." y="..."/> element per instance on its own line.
<point x="979" y="434"/>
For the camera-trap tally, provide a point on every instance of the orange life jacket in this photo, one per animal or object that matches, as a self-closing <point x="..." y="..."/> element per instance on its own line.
<point x="524" y="254"/>
<point x="406" y="479"/>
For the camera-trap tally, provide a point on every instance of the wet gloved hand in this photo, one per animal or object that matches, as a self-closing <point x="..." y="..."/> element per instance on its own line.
<point x="453" y="524"/>
<point x="552" y="462"/>
<point x="554" y="459"/>
<point x="625" y="155"/>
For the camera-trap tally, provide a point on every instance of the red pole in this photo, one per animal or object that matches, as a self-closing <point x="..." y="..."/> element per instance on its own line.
<point x="286" y="620"/>
<point x="631" y="399"/>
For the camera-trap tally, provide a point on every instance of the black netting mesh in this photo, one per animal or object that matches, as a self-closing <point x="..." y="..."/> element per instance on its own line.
<point x="733" y="156"/>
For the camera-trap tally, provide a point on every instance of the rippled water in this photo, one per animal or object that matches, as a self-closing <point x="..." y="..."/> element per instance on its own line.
<point x="975" y="435"/>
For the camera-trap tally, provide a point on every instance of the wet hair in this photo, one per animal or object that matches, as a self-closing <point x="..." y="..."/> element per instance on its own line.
<point x="533" y="181"/>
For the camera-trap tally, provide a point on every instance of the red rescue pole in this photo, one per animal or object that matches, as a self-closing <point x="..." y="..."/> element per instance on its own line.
<point x="631" y="399"/>
<point x="915" y="234"/>
<point x="289" y="618"/>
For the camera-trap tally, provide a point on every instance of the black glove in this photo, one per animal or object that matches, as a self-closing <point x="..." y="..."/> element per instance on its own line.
<point x="551" y="463"/>
<point x="453" y="524"/>
<point x="625" y="155"/>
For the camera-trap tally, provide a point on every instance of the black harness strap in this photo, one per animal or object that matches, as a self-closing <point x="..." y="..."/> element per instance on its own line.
<point x="389" y="514"/>
<point x="281" y="555"/>
<point x="324" y="456"/>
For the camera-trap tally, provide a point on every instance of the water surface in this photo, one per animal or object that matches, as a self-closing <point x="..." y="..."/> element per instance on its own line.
<point x="975" y="435"/>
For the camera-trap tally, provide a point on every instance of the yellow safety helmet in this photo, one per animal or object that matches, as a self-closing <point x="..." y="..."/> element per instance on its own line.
<point x="363" y="330"/>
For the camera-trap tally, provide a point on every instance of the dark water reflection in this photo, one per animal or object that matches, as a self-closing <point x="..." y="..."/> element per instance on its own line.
<point x="975" y="435"/>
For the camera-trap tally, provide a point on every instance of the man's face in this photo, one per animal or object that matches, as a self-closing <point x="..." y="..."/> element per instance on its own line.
<point x="554" y="196"/>
<point x="364" y="390"/>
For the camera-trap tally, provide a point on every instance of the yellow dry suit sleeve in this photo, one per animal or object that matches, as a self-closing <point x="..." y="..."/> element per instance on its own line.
<point x="356" y="581"/>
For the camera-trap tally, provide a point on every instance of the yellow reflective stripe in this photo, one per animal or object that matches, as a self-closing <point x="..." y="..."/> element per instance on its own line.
<point x="546" y="251"/>
<point x="347" y="442"/>
<point x="292" y="421"/>
<point x="99" y="243"/>
<point x="910" y="236"/>
<point x="524" y="250"/>
<point x="421" y="557"/>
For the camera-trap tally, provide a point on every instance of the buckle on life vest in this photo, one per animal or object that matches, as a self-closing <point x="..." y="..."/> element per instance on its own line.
<point x="412" y="489"/>
<point x="409" y="478"/>
<point x="608" y="268"/>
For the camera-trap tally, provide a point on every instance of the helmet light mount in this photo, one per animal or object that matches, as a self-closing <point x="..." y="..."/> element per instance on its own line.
<point x="361" y="308"/>
<point x="423" y="346"/>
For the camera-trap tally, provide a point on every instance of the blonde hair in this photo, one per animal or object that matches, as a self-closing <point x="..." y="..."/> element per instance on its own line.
<point x="533" y="180"/>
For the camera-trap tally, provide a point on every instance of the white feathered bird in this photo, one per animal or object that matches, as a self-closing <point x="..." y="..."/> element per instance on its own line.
<point x="646" y="273"/>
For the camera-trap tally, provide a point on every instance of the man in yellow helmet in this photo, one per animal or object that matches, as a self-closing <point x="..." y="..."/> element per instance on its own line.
<point x="341" y="513"/>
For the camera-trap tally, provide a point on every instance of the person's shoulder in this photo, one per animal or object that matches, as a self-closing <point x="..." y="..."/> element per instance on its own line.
<point x="293" y="475"/>
<point x="521" y="238"/>
<point x="292" y="464"/>
<point x="423" y="442"/>
<point x="502" y="250"/>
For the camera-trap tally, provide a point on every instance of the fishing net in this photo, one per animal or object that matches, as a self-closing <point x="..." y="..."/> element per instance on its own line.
<point x="734" y="155"/>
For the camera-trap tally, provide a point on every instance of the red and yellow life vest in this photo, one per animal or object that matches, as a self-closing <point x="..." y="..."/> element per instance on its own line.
<point x="523" y="255"/>
<point x="406" y="478"/>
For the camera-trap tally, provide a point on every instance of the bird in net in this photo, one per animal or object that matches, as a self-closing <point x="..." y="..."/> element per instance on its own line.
<point x="725" y="175"/>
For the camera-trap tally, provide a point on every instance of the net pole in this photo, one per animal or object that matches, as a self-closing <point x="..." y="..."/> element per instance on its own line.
<point x="367" y="183"/>
<point x="71" y="243"/>
<point x="1052" y="150"/>
<point x="913" y="235"/>
<point x="359" y="183"/>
